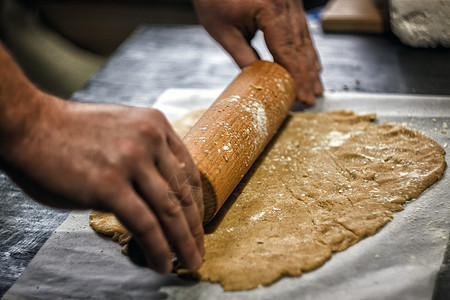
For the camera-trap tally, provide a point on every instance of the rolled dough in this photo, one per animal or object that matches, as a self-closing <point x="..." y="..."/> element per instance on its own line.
<point x="325" y="181"/>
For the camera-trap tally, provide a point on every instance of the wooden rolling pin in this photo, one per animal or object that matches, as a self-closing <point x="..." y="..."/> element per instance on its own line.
<point x="233" y="132"/>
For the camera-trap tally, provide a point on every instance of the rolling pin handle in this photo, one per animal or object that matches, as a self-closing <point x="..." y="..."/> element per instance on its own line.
<point x="236" y="128"/>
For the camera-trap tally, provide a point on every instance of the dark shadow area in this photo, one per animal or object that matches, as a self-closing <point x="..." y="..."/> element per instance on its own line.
<point x="380" y="63"/>
<point x="424" y="71"/>
<point x="299" y="106"/>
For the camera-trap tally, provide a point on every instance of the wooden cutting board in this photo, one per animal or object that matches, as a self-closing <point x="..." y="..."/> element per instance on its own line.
<point x="351" y="16"/>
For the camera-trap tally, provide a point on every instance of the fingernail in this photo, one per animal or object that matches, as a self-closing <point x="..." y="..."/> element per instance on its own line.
<point x="197" y="261"/>
<point x="202" y="248"/>
<point x="318" y="88"/>
<point x="307" y="98"/>
<point x="301" y="96"/>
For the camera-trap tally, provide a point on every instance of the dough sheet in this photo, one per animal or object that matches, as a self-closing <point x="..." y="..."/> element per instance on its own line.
<point x="325" y="182"/>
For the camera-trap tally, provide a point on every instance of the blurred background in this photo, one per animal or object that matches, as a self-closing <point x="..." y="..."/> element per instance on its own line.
<point x="60" y="44"/>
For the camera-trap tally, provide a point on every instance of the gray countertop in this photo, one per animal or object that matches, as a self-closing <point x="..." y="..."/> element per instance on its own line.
<point x="159" y="57"/>
<point x="75" y="262"/>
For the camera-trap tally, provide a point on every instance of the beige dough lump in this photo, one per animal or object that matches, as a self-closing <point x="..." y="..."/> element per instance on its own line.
<point x="325" y="181"/>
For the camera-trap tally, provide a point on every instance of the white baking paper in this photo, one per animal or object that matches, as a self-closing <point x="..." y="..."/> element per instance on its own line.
<point x="399" y="262"/>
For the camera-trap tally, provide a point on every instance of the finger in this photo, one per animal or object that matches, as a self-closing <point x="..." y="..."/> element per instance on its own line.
<point x="173" y="170"/>
<point x="294" y="58"/>
<point x="193" y="175"/>
<point x="314" y="71"/>
<point x="155" y="190"/>
<point x="317" y="61"/>
<point x="289" y="42"/>
<point x="301" y="31"/>
<point x="318" y="87"/>
<point x="234" y="42"/>
<point x="194" y="210"/>
<point x="315" y="67"/>
<point x="137" y="217"/>
<point x="185" y="191"/>
<point x="181" y="171"/>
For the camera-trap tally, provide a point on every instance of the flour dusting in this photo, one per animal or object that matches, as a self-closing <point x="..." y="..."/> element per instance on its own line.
<point x="261" y="119"/>
<point x="257" y="216"/>
<point x="337" y="138"/>
<point x="233" y="98"/>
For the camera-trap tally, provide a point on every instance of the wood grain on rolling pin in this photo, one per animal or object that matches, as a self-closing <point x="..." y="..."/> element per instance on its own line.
<point x="232" y="133"/>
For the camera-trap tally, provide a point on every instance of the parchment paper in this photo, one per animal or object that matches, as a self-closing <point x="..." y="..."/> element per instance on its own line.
<point x="399" y="262"/>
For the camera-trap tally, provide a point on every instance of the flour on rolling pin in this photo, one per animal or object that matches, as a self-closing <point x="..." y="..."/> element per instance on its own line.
<point x="258" y="114"/>
<point x="232" y="133"/>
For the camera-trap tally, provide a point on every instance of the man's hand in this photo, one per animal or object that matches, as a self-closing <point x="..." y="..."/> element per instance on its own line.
<point x="111" y="158"/>
<point x="233" y="23"/>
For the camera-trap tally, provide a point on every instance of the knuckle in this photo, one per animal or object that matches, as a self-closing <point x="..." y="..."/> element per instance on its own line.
<point x="280" y="5"/>
<point x="294" y="48"/>
<point x="151" y="125"/>
<point x="130" y="149"/>
<point x="197" y="231"/>
<point x="109" y="175"/>
<point x="154" y="134"/>
<point x="146" y="126"/>
<point x="147" y="131"/>
<point x="108" y="184"/>
<point x="172" y="211"/>
<point x="177" y="145"/>
<point x="156" y="114"/>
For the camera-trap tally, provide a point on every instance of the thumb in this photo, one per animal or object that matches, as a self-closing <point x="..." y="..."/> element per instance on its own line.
<point x="240" y="49"/>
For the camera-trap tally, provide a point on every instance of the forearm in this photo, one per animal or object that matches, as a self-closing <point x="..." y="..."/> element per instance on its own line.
<point x="108" y="157"/>
<point x="21" y="105"/>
